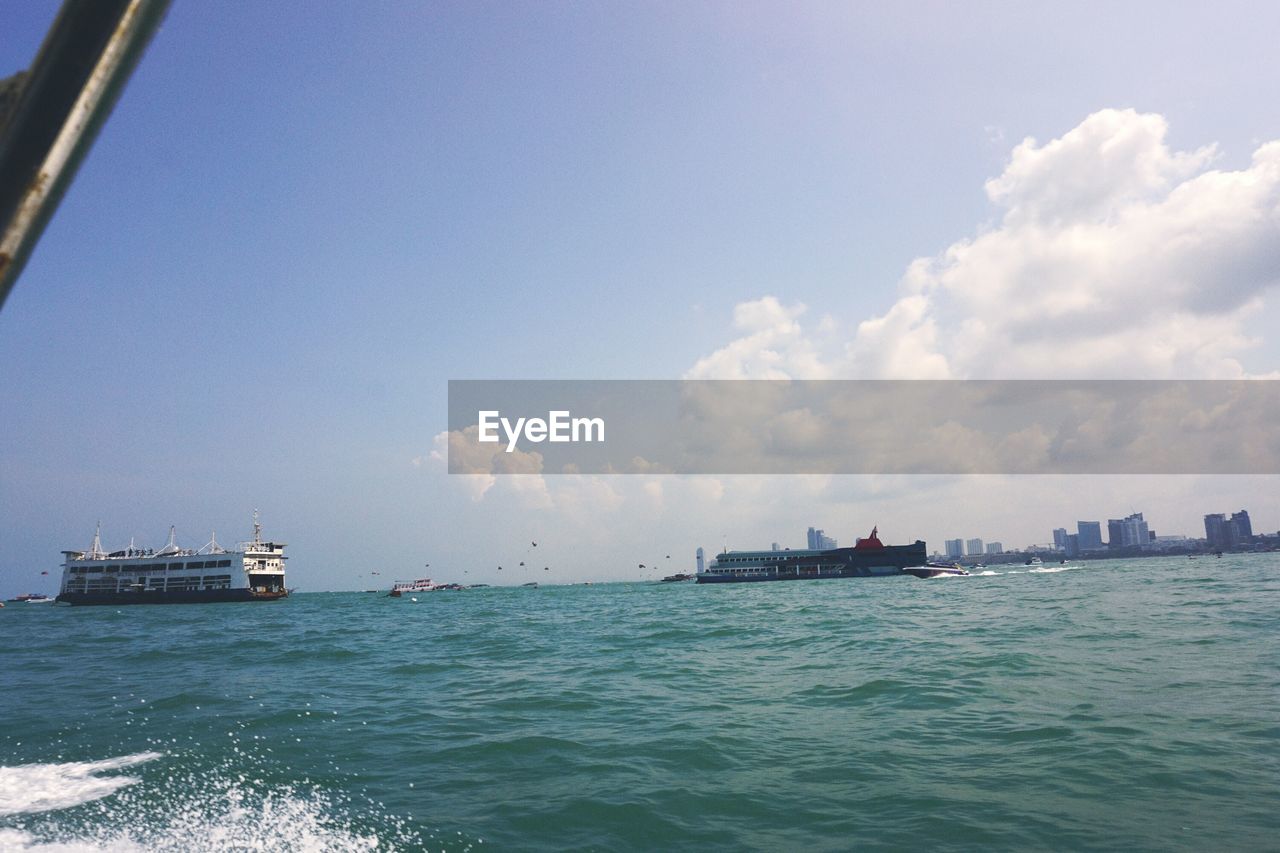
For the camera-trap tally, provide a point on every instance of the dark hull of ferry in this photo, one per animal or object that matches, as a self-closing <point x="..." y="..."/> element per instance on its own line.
<point x="203" y="596"/>
<point x="855" y="563"/>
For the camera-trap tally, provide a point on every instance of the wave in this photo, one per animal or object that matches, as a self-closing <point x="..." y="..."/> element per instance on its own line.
<point x="32" y="788"/>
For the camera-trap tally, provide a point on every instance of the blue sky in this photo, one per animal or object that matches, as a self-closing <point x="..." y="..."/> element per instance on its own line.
<point x="303" y="219"/>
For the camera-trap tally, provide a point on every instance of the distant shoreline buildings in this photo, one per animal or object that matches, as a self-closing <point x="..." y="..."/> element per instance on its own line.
<point x="1128" y="536"/>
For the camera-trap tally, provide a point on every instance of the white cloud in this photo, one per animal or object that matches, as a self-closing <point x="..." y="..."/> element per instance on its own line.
<point x="1114" y="256"/>
<point x="776" y="346"/>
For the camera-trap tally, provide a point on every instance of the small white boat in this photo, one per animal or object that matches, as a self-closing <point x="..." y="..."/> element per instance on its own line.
<point x="934" y="570"/>
<point x="1034" y="561"/>
<point x="399" y="588"/>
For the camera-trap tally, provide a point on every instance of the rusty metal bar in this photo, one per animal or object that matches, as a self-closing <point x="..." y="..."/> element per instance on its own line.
<point x="50" y="115"/>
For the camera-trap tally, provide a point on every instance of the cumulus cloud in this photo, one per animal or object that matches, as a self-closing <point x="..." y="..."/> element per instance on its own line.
<point x="1112" y="256"/>
<point x="774" y="346"/>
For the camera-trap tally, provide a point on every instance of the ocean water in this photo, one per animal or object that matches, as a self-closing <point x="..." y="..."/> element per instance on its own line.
<point x="1120" y="705"/>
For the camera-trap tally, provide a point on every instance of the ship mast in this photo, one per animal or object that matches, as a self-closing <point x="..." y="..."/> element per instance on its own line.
<point x="257" y="529"/>
<point x="95" y="550"/>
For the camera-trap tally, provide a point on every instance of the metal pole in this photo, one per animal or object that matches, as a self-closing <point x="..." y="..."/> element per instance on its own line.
<point x="54" y="112"/>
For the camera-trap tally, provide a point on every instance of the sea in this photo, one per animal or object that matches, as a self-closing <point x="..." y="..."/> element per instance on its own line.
<point x="1107" y="705"/>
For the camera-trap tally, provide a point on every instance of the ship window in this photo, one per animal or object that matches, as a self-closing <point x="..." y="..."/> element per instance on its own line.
<point x="112" y="570"/>
<point x="224" y="564"/>
<point x="195" y="565"/>
<point x="174" y="566"/>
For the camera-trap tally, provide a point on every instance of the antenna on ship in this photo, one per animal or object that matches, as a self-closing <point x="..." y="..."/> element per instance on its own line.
<point x="95" y="550"/>
<point x="257" y="529"/>
<point x="213" y="547"/>
<point x="171" y="547"/>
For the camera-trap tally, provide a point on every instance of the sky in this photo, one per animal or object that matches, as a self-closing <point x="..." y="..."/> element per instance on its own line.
<point x="302" y="220"/>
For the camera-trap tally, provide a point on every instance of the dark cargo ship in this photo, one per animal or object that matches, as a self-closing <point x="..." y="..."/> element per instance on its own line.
<point x="868" y="558"/>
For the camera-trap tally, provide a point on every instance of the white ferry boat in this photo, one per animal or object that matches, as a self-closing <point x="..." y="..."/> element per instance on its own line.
<point x="252" y="571"/>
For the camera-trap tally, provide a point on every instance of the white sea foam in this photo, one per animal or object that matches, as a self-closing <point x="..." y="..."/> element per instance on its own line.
<point x="277" y="823"/>
<point x="1051" y="569"/>
<point x="31" y="788"/>
<point x="178" y="811"/>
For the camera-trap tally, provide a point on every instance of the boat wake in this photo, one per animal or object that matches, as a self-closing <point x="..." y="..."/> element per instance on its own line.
<point x="31" y="788"/>
<point x="42" y="809"/>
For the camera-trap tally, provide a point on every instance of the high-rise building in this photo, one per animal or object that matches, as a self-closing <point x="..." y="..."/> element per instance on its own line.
<point x="1060" y="538"/>
<point x="995" y="547"/>
<point x="813" y="539"/>
<point x="1090" y="533"/>
<point x="1215" y="530"/>
<point x="973" y="547"/>
<point x="820" y="541"/>
<point x="1128" y="532"/>
<point x="1071" y="546"/>
<point x="1114" y="533"/>
<point x="955" y="547"/>
<point x="1223" y="532"/>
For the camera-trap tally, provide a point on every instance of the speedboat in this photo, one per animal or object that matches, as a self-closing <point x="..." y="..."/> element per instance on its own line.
<point x="934" y="570"/>
<point x="1034" y="561"/>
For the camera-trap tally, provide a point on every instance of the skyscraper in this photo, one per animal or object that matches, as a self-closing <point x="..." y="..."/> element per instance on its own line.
<point x="1243" y="526"/>
<point x="1090" y="533"/>
<point x="973" y="547"/>
<point x="1060" y="538"/>
<point x="1128" y="532"/>
<point x="1223" y="532"/>
<point x="955" y="547"/>
<point x="820" y="541"/>
<point x="995" y="547"/>
<point x="1215" y="530"/>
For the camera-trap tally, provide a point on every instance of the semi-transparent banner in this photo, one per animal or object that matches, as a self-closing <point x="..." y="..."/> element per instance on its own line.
<point x="864" y="427"/>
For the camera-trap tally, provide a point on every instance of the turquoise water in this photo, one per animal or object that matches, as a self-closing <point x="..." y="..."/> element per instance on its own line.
<point x="1112" y="705"/>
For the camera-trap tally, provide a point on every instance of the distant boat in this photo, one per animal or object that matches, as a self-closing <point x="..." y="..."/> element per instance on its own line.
<point x="531" y="584"/>
<point x="934" y="570"/>
<point x="1034" y="561"/>
<point x="29" y="598"/>
<point x="677" y="578"/>
<point x="399" y="588"/>
<point x="868" y="558"/>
